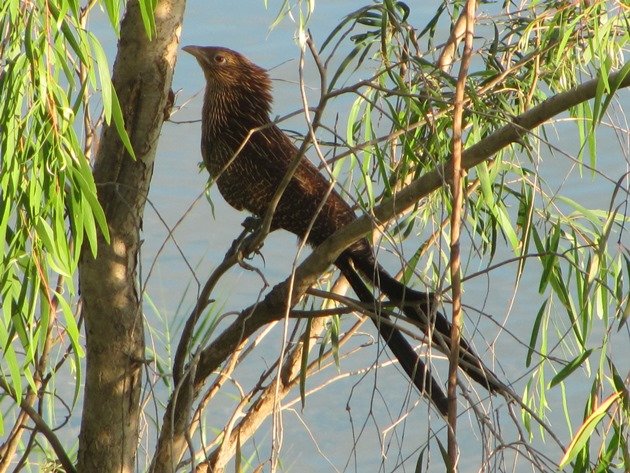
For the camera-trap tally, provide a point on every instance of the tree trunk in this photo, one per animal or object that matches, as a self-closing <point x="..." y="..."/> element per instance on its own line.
<point x="112" y="304"/>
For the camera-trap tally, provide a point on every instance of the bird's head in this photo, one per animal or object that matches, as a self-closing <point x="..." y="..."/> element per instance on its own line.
<point x="226" y="70"/>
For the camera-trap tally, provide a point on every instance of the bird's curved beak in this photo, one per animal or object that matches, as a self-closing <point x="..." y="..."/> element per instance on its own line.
<point x="196" y="51"/>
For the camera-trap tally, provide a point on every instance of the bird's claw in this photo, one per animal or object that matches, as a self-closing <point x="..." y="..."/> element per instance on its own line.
<point x="251" y="223"/>
<point x="247" y="244"/>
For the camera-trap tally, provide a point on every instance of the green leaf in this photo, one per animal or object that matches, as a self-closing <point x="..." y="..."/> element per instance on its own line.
<point x="614" y="87"/>
<point x="72" y="330"/>
<point x="85" y="181"/>
<point x="120" y="124"/>
<point x="113" y="12"/>
<point x="444" y="455"/>
<point x="486" y="185"/>
<point x="582" y="211"/>
<point x="570" y="367"/>
<point x="11" y="362"/>
<point x="306" y="339"/>
<point x="586" y="429"/>
<point x="606" y="458"/>
<point x="334" y="338"/>
<point x="147" y="9"/>
<point x="103" y="74"/>
<point x="534" y="336"/>
<point x="507" y="228"/>
<point x="344" y="64"/>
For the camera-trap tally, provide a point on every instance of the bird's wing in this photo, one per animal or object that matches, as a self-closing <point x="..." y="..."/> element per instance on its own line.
<point x="302" y="200"/>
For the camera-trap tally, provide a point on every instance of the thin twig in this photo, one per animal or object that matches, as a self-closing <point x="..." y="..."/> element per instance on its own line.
<point x="456" y="222"/>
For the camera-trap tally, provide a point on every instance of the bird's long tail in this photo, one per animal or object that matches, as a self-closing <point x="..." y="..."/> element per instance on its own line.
<point x="419" y="306"/>
<point x="415" y="368"/>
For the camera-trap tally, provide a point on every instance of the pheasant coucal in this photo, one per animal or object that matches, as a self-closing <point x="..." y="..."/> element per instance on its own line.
<point x="248" y="168"/>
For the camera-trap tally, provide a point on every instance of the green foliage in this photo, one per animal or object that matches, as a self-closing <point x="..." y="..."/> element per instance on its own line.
<point x="51" y="68"/>
<point x="49" y="203"/>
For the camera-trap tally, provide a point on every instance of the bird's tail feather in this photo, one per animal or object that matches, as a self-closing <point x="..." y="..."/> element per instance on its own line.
<point x="415" y="368"/>
<point x="420" y="307"/>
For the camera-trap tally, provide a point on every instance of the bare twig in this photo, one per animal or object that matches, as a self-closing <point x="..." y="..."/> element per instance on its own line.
<point x="456" y="216"/>
<point x="43" y="427"/>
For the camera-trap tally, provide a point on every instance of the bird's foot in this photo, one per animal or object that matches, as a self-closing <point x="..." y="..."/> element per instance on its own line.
<point x="251" y="224"/>
<point x="247" y="244"/>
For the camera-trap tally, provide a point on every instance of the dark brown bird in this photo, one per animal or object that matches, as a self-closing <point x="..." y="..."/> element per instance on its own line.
<point x="248" y="168"/>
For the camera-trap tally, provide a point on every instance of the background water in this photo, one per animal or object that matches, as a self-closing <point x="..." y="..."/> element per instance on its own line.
<point x="348" y="412"/>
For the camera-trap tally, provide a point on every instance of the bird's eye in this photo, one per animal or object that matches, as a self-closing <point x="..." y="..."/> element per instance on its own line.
<point x="219" y="58"/>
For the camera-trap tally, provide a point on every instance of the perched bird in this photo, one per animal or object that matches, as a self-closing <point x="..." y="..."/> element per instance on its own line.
<point x="248" y="168"/>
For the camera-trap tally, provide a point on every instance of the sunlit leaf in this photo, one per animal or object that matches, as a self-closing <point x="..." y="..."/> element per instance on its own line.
<point x="570" y="368"/>
<point x="586" y="429"/>
<point x="306" y="339"/>
<point x="534" y="335"/>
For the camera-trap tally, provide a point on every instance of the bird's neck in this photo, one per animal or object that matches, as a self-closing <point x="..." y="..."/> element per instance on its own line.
<point x="233" y="112"/>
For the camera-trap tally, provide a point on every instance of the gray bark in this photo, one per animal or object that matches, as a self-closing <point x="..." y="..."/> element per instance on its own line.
<point x="112" y="309"/>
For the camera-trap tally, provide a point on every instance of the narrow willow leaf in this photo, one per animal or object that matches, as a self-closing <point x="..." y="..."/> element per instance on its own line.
<point x="534" y="336"/>
<point x="147" y="9"/>
<point x="432" y="23"/>
<point x="342" y="67"/>
<point x="549" y="258"/>
<point x="334" y="338"/>
<point x="349" y="18"/>
<point x="43" y="325"/>
<point x="444" y="455"/>
<point x="5" y="212"/>
<point x="525" y="415"/>
<point x="56" y="265"/>
<point x="113" y="12"/>
<point x="507" y="228"/>
<point x="352" y="121"/>
<point x="77" y="43"/>
<point x="586" y="429"/>
<point x="322" y="346"/>
<point x="602" y="88"/>
<point x="62" y="244"/>
<point x="614" y="87"/>
<point x="486" y="185"/>
<point x="120" y="124"/>
<point x="284" y="9"/>
<point x="306" y="340"/>
<point x="28" y="38"/>
<point x="526" y="215"/>
<point x="74" y="5"/>
<point x="12" y="363"/>
<point x="45" y="233"/>
<point x="591" y="139"/>
<point x="606" y="458"/>
<point x="88" y="225"/>
<point x="103" y="73"/>
<point x="72" y="330"/>
<point x="565" y="406"/>
<point x="592" y="216"/>
<point x="570" y="367"/>
<point x="85" y="181"/>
